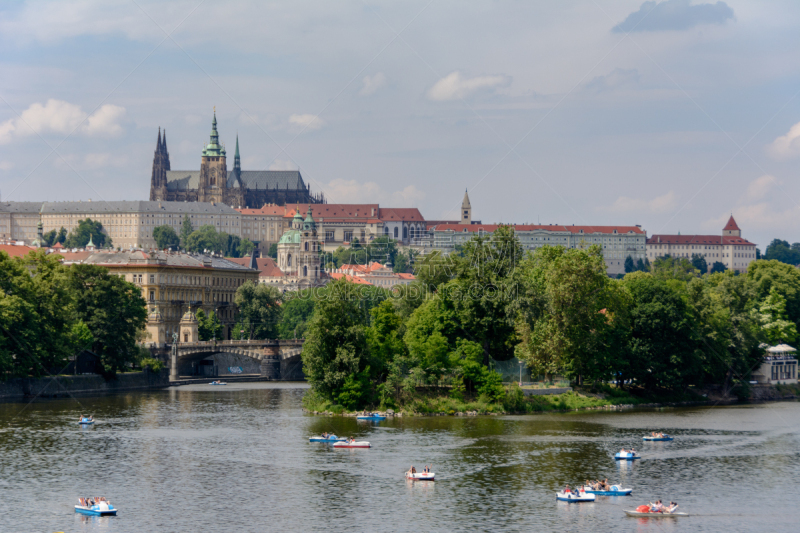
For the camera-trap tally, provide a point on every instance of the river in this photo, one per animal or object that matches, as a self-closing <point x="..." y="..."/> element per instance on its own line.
<point x="237" y="458"/>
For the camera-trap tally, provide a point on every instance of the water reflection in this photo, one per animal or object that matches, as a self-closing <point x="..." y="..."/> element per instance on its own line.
<point x="197" y="448"/>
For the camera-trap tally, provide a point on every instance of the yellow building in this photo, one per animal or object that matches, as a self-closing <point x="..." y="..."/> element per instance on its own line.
<point x="174" y="284"/>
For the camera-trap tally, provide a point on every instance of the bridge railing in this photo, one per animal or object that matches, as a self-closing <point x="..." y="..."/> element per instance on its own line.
<point x="247" y="342"/>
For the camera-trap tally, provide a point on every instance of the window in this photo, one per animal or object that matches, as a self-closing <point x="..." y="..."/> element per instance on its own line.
<point x="395" y="233"/>
<point x="306" y="246"/>
<point x="405" y="232"/>
<point x="152" y="296"/>
<point x="348" y="236"/>
<point x="152" y="278"/>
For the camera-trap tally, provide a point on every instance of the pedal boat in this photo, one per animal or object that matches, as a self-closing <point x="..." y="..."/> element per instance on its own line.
<point x="572" y="498"/>
<point x="658" y="439"/>
<point x="217" y="383"/>
<point x="357" y="444"/>
<point x="616" y="490"/>
<point x="637" y="514"/>
<point x="98" y="509"/>
<point x="329" y="438"/>
<point x="86" y="422"/>
<point x="373" y="416"/>
<point x="420" y="476"/>
<point x="626" y="456"/>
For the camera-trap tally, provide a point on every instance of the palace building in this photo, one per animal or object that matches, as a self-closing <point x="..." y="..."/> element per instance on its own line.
<point x="730" y="248"/>
<point x="215" y="183"/>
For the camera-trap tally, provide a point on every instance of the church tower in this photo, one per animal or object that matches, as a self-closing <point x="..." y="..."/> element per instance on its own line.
<point x="309" y="267"/>
<point x="466" y="210"/>
<point x="731" y="229"/>
<point x="234" y="197"/>
<point x="158" y="180"/>
<point x="213" y="169"/>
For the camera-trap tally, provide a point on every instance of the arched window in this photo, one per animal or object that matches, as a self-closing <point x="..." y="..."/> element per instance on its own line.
<point x="386" y="231"/>
<point x="395" y="232"/>
<point x="405" y="232"/>
<point x="306" y="246"/>
<point x="289" y="260"/>
<point x="305" y="271"/>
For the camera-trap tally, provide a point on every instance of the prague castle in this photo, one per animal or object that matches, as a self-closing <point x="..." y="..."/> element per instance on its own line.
<point x="215" y="183"/>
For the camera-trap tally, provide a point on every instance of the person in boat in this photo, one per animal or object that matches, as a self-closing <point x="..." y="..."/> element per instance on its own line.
<point x="623" y="451"/>
<point x="567" y="490"/>
<point x="325" y="435"/>
<point x="672" y="507"/>
<point x="605" y="485"/>
<point x="412" y="470"/>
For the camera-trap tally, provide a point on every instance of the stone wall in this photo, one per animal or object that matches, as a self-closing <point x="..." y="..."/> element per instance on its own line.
<point x="63" y="386"/>
<point x="226" y="360"/>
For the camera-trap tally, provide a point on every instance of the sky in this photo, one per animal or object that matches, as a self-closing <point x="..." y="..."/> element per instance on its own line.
<point x="671" y="114"/>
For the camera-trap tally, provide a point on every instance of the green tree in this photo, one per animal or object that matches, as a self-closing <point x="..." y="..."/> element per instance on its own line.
<point x="629" y="265"/>
<point x="774" y="321"/>
<point x="336" y="346"/>
<point x="187" y="230"/>
<point x="86" y="229"/>
<point x="662" y="348"/>
<point x="783" y="277"/>
<point x="564" y="311"/>
<point x="62" y="235"/>
<point x="779" y="250"/>
<point x="434" y="269"/>
<point x="205" y="239"/>
<point x="699" y="262"/>
<point x="258" y="304"/>
<point x="718" y="267"/>
<point x="296" y="312"/>
<point x="431" y="333"/>
<point x="49" y="238"/>
<point x="245" y="247"/>
<point x="680" y="268"/>
<point x="208" y="325"/>
<point x="166" y="238"/>
<point x="273" y="250"/>
<point x="112" y="309"/>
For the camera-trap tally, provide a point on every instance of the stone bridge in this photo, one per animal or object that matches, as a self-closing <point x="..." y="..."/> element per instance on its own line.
<point x="280" y="359"/>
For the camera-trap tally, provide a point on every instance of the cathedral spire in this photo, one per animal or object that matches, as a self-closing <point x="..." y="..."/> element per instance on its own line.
<point x="213" y="148"/>
<point x="158" y="144"/>
<point x="164" y="144"/>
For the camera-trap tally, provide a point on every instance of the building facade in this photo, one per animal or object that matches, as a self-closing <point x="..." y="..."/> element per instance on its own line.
<point x="215" y="183"/>
<point x="617" y="242"/>
<point x="300" y="253"/>
<point x="264" y="226"/>
<point x="729" y="248"/>
<point x="19" y="221"/>
<point x="174" y="284"/>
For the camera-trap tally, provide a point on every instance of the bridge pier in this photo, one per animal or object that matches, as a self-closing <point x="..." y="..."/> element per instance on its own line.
<point x="271" y="363"/>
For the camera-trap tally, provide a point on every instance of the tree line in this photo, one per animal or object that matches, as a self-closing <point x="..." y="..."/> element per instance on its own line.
<point x="50" y="313"/>
<point x="665" y="329"/>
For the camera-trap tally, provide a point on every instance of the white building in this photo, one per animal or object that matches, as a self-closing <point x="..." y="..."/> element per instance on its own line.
<point x="730" y="248"/>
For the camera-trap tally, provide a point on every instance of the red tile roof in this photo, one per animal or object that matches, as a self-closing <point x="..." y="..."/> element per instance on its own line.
<point x="265" y="265"/>
<point x="275" y="210"/>
<point x="58" y="246"/>
<point x="731" y="225"/>
<point x="406" y="214"/>
<point x="698" y="239"/>
<point x="14" y="250"/>
<point x="354" y="279"/>
<point x="403" y="275"/>
<point x="335" y="212"/>
<point x="491" y="228"/>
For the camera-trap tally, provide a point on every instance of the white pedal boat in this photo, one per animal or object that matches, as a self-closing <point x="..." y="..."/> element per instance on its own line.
<point x="357" y="444"/>
<point x="655" y="515"/>
<point x="420" y="476"/>
<point x="571" y="497"/>
<point x="626" y="456"/>
<point x="98" y="509"/>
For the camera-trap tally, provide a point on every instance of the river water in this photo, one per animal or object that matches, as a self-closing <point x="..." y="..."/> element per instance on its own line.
<point x="236" y="458"/>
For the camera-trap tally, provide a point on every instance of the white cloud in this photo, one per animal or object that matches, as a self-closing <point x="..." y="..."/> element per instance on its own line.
<point x="661" y="204"/>
<point x="355" y="192"/>
<point x="760" y="187"/>
<point x="282" y="164"/>
<point x="57" y="116"/>
<point x="372" y="83"/>
<point x="788" y="145"/>
<point x="454" y="86"/>
<point x="306" y="122"/>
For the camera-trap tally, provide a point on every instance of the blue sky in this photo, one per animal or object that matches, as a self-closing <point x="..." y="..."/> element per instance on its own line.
<point x="671" y="115"/>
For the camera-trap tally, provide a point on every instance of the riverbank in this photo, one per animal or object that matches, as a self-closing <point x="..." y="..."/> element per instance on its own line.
<point x="63" y="386"/>
<point x="516" y="402"/>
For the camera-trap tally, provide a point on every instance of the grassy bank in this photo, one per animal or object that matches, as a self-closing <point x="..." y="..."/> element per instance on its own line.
<point x="422" y="403"/>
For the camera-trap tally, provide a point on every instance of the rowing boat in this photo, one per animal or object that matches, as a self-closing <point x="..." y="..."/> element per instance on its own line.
<point x="657" y="439"/>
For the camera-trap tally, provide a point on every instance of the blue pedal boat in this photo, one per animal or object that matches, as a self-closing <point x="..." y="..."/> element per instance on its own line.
<point x="658" y="439"/>
<point x="626" y="456"/>
<point x="86" y="421"/>
<point x="98" y="509"/>
<point x="373" y="416"/>
<point x="329" y="438"/>
<point x="616" y="490"/>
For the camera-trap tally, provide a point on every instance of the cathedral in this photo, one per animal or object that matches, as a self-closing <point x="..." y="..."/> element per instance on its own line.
<point x="215" y="183"/>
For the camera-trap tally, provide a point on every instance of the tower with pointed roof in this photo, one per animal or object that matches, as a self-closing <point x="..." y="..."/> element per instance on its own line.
<point x="466" y="209"/>
<point x="213" y="169"/>
<point x="158" y="179"/>
<point x="731" y="229"/>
